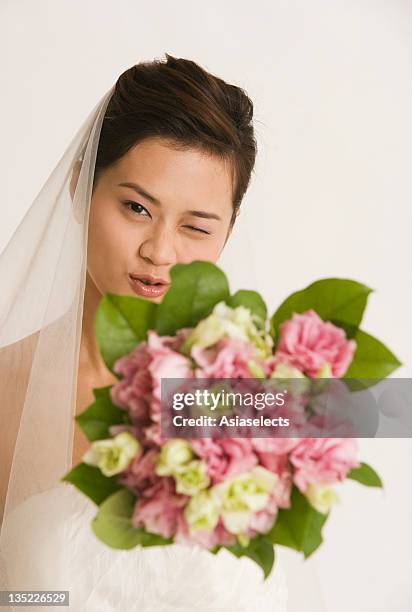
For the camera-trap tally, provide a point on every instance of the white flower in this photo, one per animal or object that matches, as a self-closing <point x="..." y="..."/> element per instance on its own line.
<point x="240" y="496"/>
<point x="191" y="477"/>
<point x="237" y="323"/>
<point x="173" y="454"/>
<point x="325" y="371"/>
<point x="321" y="497"/>
<point x="202" y="513"/>
<point x="294" y="387"/>
<point x="112" y="455"/>
<point x="255" y="369"/>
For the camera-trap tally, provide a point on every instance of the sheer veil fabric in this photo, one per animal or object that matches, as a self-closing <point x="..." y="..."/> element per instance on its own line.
<point x="43" y="272"/>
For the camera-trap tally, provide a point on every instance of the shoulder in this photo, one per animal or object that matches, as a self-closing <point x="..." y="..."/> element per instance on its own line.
<point x="15" y="366"/>
<point x="18" y="357"/>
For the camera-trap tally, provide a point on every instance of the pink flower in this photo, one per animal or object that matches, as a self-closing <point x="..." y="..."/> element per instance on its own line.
<point x="308" y="343"/>
<point x="160" y="508"/>
<point x="139" y="390"/>
<point x="212" y="452"/>
<point x="277" y="446"/>
<point x="326" y="460"/>
<point x="262" y="521"/>
<point x="278" y="463"/>
<point x="228" y="358"/>
<point x="239" y="452"/>
<point x="137" y="359"/>
<point x="165" y="362"/>
<point x="225" y="457"/>
<point x="133" y="392"/>
<point x="141" y="471"/>
<point x="153" y="435"/>
<point x="207" y="539"/>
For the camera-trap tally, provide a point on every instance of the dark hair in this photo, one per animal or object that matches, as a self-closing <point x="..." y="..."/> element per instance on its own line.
<point x="179" y="101"/>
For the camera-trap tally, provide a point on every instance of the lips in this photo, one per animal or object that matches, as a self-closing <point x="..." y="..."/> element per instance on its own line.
<point x="153" y="280"/>
<point x="147" y="285"/>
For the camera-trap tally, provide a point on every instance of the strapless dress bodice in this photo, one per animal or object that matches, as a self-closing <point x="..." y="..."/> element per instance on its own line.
<point x="48" y="544"/>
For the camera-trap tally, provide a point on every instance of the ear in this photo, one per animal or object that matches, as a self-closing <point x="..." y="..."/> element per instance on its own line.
<point x="74" y="178"/>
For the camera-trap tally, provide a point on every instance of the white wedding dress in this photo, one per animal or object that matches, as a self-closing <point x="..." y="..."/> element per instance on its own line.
<point x="62" y="553"/>
<point x="46" y="540"/>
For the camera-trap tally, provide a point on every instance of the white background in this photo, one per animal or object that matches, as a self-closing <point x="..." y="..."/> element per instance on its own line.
<point x="331" y="194"/>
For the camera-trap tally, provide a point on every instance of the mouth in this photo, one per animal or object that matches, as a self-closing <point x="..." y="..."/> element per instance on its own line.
<point x="147" y="285"/>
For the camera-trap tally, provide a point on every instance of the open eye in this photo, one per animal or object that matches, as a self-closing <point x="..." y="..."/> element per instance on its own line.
<point x="139" y="207"/>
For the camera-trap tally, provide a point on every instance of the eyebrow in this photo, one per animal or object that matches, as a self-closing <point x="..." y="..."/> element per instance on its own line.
<point x="141" y="191"/>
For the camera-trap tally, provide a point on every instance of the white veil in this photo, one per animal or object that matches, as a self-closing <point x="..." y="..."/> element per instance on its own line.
<point x="43" y="272"/>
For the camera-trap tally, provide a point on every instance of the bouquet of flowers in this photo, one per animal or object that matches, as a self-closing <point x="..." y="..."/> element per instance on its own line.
<point x="246" y="493"/>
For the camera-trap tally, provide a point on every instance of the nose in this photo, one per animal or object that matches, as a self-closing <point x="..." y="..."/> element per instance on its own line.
<point x="158" y="248"/>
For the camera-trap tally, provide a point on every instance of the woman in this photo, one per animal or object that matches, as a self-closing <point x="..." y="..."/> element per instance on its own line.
<point x="175" y="156"/>
<point x="155" y="176"/>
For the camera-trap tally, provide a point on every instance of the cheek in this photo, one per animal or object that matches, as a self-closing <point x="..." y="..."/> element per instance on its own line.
<point x="108" y="241"/>
<point x="207" y="250"/>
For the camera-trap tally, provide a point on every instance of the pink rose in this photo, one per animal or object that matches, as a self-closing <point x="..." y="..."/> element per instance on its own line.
<point x="326" y="460"/>
<point x="134" y="391"/>
<point x="153" y="435"/>
<point x="139" y="390"/>
<point x="308" y="343"/>
<point x="225" y="457"/>
<point x="165" y="362"/>
<point x="226" y="359"/>
<point x="277" y="446"/>
<point x="263" y="521"/>
<point x="207" y="539"/>
<point x="141" y="471"/>
<point x="212" y="452"/>
<point x="278" y="463"/>
<point x="160" y="508"/>
<point x="239" y="452"/>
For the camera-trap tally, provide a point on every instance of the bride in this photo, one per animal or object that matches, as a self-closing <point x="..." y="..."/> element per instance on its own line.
<point x="155" y="176"/>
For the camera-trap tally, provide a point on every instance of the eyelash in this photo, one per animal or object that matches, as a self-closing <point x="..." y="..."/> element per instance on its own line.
<point x="129" y="203"/>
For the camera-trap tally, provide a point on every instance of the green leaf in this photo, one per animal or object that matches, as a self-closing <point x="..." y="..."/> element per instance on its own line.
<point x="251" y="300"/>
<point x="298" y="527"/>
<point x="98" y="417"/>
<point x="90" y="481"/>
<point x="194" y="291"/>
<point x="260" y="550"/>
<point x="216" y="549"/>
<point x="112" y="524"/>
<point x="372" y="359"/>
<point x="122" y="322"/>
<point x="338" y="300"/>
<point x="365" y="475"/>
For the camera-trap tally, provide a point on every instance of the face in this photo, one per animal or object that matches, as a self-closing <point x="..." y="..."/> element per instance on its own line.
<point x="153" y="208"/>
